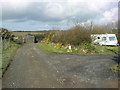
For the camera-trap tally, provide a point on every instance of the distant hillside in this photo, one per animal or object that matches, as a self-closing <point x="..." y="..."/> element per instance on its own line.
<point x="23" y="33"/>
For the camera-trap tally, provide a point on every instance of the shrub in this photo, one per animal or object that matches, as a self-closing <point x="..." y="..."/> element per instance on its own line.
<point x="39" y="37"/>
<point x="90" y="47"/>
<point x="78" y="34"/>
<point x="47" y="41"/>
<point x="74" y="36"/>
<point x="58" y="45"/>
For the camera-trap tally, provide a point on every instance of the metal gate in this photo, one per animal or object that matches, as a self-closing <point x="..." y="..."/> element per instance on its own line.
<point x="29" y="39"/>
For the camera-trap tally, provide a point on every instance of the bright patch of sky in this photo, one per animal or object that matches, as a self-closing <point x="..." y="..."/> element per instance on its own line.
<point x="46" y="14"/>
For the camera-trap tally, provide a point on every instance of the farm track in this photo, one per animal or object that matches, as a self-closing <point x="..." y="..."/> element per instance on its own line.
<point x="33" y="68"/>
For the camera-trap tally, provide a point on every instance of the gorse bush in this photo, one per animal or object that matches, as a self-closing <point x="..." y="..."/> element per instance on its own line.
<point x="58" y="45"/>
<point x="48" y="39"/>
<point x="73" y="36"/>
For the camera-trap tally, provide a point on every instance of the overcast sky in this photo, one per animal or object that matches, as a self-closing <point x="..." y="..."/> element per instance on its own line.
<point x="46" y="14"/>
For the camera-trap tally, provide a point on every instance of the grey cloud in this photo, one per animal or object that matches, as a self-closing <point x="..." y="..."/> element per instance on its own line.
<point x="48" y="12"/>
<point x="12" y="13"/>
<point x="35" y="11"/>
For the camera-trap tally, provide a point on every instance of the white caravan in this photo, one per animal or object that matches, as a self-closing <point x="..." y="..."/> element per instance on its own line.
<point x="104" y="39"/>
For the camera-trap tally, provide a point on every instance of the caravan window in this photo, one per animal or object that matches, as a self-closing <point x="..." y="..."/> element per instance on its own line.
<point x="104" y="38"/>
<point x="98" y="37"/>
<point x="111" y="38"/>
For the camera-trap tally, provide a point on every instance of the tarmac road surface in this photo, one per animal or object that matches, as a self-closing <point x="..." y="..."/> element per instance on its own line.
<point x="33" y="68"/>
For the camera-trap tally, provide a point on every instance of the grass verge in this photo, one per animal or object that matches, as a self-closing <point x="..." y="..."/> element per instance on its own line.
<point x="7" y="56"/>
<point x="51" y="48"/>
<point x="82" y="49"/>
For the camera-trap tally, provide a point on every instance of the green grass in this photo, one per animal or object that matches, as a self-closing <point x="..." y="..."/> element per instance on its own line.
<point x="82" y="49"/>
<point x="7" y="56"/>
<point x="97" y="49"/>
<point x="51" y="48"/>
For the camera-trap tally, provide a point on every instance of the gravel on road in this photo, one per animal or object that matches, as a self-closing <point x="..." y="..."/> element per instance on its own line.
<point x="33" y="68"/>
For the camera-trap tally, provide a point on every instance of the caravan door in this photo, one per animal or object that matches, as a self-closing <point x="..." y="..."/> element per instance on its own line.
<point x="104" y="40"/>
